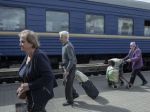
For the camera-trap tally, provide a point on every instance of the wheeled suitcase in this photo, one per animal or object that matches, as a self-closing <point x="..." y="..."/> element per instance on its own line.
<point x="90" y="89"/>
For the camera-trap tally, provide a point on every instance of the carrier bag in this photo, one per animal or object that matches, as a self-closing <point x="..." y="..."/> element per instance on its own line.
<point x="90" y="89"/>
<point x="112" y="74"/>
<point x="81" y="77"/>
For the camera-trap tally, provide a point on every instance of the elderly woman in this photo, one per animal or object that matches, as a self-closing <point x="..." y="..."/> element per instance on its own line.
<point x="135" y="57"/>
<point x="36" y="73"/>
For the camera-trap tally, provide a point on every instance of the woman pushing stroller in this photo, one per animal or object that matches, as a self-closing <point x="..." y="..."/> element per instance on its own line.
<point x="135" y="57"/>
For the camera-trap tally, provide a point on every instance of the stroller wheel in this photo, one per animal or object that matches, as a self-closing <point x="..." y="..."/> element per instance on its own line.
<point x="115" y="86"/>
<point x="128" y="86"/>
<point x="109" y="83"/>
<point x="121" y="83"/>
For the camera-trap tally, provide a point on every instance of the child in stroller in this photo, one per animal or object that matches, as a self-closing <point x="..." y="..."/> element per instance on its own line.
<point x="114" y="72"/>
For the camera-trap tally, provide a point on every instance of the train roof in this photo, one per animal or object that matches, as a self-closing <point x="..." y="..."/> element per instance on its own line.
<point x="129" y="3"/>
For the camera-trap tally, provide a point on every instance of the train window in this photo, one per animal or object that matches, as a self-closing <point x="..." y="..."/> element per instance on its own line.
<point x="12" y="19"/>
<point x="147" y="28"/>
<point x="125" y="26"/>
<point x="94" y="24"/>
<point x="57" y="21"/>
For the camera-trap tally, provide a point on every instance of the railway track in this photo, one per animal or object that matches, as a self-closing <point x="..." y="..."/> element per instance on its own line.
<point x="10" y="75"/>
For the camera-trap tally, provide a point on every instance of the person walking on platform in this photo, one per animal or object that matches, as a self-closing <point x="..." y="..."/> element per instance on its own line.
<point x="69" y="62"/>
<point x="36" y="73"/>
<point x="135" y="57"/>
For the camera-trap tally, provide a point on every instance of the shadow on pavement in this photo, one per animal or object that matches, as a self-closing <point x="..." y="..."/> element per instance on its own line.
<point x="101" y="100"/>
<point x="135" y="88"/>
<point x="101" y="108"/>
<point x="138" y="88"/>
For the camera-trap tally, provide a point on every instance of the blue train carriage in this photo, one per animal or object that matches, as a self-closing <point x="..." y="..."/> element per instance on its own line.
<point x="99" y="29"/>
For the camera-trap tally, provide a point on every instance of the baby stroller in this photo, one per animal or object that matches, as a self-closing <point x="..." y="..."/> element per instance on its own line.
<point x="114" y="72"/>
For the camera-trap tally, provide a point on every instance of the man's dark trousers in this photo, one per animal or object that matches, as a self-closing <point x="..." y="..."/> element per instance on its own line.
<point x="69" y="90"/>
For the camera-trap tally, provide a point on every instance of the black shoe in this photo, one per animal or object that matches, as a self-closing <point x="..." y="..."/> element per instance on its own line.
<point x="144" y="83"/>
<point x="75" y="96"/>
<point x="68" y="103"/>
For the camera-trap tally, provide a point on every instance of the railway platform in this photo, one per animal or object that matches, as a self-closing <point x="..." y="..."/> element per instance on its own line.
<point x="121" y="99"/>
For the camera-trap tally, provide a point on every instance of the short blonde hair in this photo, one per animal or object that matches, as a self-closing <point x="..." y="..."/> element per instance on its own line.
<point x="64" y="34"/>
<point x="31" y="37"/>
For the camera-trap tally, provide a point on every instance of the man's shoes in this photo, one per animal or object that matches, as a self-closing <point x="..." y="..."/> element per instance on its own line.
<point x="75" y="96"/>
<point x="68" y="103"/>
<point x="144" y="83"/>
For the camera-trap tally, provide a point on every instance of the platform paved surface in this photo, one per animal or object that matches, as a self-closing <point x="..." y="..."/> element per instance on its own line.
<point x="136" y="99"/>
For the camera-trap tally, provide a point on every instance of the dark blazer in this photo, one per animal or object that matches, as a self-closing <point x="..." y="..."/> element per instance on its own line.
<point x="39" y="76"/>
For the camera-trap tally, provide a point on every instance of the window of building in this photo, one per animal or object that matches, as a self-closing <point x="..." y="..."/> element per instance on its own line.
<point x="94" y="24"/>
<point x="12" y="19"/>
<point x="147" y="28"/>
<point x="57" y="21"/>
<point x="125" y="26"/>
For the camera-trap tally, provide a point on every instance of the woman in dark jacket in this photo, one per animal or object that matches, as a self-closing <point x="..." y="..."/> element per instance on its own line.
<point x="36" y="73"/>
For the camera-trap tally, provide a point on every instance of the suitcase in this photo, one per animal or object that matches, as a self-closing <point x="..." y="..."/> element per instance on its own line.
<point x="90" y="89"/>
